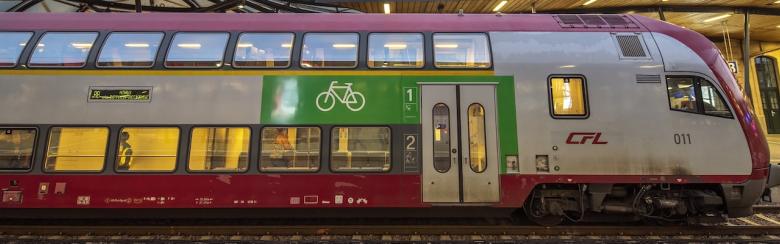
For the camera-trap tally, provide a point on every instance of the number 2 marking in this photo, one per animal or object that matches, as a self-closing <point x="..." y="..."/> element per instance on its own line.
<point x="411" y="143"/>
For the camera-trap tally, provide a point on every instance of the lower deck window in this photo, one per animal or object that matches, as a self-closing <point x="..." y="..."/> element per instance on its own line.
<point x="360" y="149"/>
<point x="147" y="149"/>
<point x="290" y="149"/>
<point x="219" y="149"/>
<point x="76" y="149"/>
<point x="16" y="148"/>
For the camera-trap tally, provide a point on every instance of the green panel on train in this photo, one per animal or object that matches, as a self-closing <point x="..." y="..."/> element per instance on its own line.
<point x="372" y="100"/>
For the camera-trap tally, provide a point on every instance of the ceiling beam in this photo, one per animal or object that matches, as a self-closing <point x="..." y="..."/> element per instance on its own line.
<point x="24" y="5"/>
<point x="125" y="6"/>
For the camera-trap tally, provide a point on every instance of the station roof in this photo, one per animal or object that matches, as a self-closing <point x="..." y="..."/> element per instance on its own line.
<point x="710" y="18"/>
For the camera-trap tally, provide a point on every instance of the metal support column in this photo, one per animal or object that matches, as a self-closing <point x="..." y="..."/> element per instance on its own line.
<point x="661" y="13"/>
<point x="138" y="6"/>
<point x="746" y="55"/>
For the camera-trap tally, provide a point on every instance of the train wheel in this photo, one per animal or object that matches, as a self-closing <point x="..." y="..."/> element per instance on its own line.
<point x="535" y="212"/>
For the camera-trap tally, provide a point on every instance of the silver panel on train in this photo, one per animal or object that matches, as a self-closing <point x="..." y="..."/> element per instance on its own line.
<point x="48" y="99"/>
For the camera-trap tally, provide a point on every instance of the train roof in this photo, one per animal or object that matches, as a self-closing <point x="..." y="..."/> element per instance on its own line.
<point x="321" y="22"/>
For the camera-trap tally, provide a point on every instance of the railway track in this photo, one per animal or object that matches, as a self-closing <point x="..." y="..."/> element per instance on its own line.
<point x="741" y="229"/>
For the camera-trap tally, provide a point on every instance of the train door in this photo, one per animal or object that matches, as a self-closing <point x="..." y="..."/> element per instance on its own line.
<point x="460" y="149"/>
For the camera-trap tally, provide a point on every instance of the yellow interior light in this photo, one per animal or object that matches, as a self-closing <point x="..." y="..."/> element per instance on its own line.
<point x="136" y="44"/>
<point x="717" y="18"/>
<point x="499" y="6"/>
<point x="395" y="45"/>
<point x="343" y="45"/>
<point x="189" y="45"/>
<point x="447" y="45"/>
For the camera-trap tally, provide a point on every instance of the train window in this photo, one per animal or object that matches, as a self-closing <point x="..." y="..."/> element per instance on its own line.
<point x="11" y="46"/>
<point x="263" y="50"/>
<point x="16" y="148"/>
<point x="76" y="149"/>
<point x="196" y="50"/>
<point x="465" y="50"/>
<point x="568" y="97"/>
<point x="330" y="50"/>
<point x="360" y="149"/>
<point x="63" y="49"/>
<point x="682" y="94"/>
<point x="441" y="138"/>
<point x="290" y="149"/>
<point x="219" y="149"/>
<point x="129" y="50"/>
<point x="394" y="50"/>
<point x="713" y="101"/>
<point x="477" y="147"/>
<point x="147" y="149"/>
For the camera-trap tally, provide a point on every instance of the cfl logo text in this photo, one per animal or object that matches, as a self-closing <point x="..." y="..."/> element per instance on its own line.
<point x="584" y="137"/>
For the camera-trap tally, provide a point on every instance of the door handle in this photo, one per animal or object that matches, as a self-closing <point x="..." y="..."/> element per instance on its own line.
<point x="773" y="113"/>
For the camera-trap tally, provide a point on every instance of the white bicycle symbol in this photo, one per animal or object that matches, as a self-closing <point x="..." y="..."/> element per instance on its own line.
<point x="327" y="99"/>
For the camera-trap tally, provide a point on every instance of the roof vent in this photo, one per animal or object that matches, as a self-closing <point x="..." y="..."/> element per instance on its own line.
<point x="640" y="78"/>
<point x="631" y="46"/>
<point x="594" y="21"/>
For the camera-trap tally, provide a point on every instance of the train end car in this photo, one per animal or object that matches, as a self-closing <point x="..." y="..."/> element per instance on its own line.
<point x="562" y="117"/>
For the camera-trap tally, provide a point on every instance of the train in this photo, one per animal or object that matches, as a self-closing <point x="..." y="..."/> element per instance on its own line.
<point x="555" y="117"/>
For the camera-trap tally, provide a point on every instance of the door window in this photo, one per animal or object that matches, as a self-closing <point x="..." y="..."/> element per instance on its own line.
<point x="441" y="138"/>
<point x="477" y="149"/>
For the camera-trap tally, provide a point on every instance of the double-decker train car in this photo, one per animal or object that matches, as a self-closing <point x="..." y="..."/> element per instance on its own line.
<point x="563" y="116"/>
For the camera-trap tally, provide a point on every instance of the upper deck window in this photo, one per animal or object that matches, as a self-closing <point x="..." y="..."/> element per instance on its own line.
<point x="330" y="50"/>
<point x="466" y="50"/>
<point x="130" y="50"/>
<point x="263" y="50"/>
<point x="394" y="50"/>
<point x="11" y="46"/>
<point x="197" y="50"/>
<point x="63" y="49"/>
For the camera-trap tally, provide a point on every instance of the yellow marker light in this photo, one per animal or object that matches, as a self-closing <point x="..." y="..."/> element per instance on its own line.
<point x="395" y="46"/>
<point x="447" y="45"/>
<point x="588" y="2"/>
<point x="189" y="45"/>
<point x="717" y="18"/>
<point x="81" y="45"/>
<point x="387" y="8"/>
<point x="136" y="45"/>
<point x="245" y="45"/>
<point x="499" y="6"/>
<point x="343" y="45"/>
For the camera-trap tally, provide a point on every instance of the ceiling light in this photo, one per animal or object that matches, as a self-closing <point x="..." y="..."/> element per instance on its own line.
<point x="569" y="66"/>
<point x="717" y="18"/>
<point x="588" y="2"/>
<point x="395" y="46"/>
<point x="245" y="45"/>
<point x="499" y="6"/>
<point x="286" y="45"/>
<point x="23" y="44"/>
<point x="81" y="45"/>
<point x="777" y="1"/>
<point x="387" y="8"/>
<point x="136" y="45"/>
<point x="189" y="45"/>
<point x="343" y="45"/>
<point x="447" y="45"/>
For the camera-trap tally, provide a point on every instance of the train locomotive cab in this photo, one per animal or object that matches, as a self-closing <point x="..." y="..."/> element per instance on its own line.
<point x="555" y="117"/>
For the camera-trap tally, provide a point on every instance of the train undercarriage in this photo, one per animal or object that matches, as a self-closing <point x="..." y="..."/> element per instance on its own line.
<point x="553" y="204"/>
